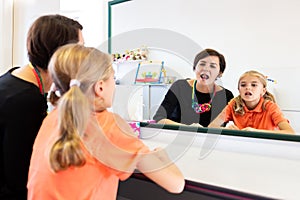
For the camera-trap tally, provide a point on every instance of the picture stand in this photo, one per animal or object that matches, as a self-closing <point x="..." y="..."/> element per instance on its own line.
<point x="149" y="72"/>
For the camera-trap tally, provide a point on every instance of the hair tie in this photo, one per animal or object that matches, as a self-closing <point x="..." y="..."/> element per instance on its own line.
<point x="74" y="82"/>
<point x="54" y="90"/>
<point x="53" y="87"/>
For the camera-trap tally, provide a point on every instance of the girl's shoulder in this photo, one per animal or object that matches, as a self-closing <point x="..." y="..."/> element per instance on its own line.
<point x="270" y="104"/>
<point x="108" y="115"/>
<point x="112" y="121"/>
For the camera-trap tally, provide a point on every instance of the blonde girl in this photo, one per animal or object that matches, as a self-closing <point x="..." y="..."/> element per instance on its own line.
<point x="255" y="108"/>
<point x="82" y="150"/>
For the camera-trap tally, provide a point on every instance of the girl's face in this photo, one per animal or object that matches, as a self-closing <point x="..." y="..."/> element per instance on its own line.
<point x="207" y="70"/>
<point x="251" y="90"/>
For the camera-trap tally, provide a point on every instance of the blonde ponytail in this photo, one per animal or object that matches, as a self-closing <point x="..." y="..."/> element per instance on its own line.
<point x="73" y="117"/>
<point x="75" y="70"/>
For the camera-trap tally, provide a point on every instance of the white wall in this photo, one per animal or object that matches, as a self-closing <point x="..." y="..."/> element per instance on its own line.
<point x="92" y="15"/>
<point x="6" y="29"/>
<point x="16" y="18"/>
<point x="25" y="12"/>
<point x="18" y="15"/>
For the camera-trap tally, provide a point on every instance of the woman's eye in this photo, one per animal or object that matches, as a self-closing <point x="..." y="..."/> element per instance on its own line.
<point x="212" y="66"/>
<point x="243" y="85"/>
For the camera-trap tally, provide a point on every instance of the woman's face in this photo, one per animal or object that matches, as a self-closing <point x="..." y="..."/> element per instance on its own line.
<point x="207" y="70"/>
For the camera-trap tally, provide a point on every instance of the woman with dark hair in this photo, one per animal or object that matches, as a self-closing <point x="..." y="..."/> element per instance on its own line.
<point x="196" y="101"/>
<point x="23" y="104"/>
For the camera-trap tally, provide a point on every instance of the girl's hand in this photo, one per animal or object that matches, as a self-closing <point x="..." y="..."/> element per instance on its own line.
<point x="232" y="127"/>
<point x="249" y="129"/>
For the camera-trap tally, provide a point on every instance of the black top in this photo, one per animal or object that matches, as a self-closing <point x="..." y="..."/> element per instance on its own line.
<point x="22" y="110"/>
<point x="177" y="104"/>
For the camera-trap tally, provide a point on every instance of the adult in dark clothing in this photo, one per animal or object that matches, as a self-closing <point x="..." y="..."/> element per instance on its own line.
<point x="196" y="101"/>
<point x="23" y="104"/>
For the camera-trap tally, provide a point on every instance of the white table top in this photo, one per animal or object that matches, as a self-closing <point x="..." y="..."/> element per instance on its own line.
<point x="264" y="167"/>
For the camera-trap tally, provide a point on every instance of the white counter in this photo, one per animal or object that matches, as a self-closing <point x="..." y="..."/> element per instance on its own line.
<point x="264" y="167"/>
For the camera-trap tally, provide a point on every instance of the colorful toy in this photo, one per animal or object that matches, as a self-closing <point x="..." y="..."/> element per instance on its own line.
<point x="135" y="54"/>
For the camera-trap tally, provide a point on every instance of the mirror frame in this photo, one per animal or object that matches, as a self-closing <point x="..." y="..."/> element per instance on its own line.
<point x="228" y="132"/>
<point x="110" y="4"/>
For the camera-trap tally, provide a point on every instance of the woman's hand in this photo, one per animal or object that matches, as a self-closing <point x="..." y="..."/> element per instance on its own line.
<point x="196" y="125"/>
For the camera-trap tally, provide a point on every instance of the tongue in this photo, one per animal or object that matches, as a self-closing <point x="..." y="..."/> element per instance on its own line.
<point x="204" y="76"/>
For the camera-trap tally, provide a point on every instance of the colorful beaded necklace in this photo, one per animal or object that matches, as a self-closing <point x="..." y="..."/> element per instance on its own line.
<point x="38" y="78"/>
<point x="204" y="107"/>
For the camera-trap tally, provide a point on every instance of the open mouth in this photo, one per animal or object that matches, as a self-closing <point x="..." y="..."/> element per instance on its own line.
<point x="204" y="76"/>
<point x="248" y="94"/>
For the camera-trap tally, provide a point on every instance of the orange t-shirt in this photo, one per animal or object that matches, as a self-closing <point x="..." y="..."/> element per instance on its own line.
<point x="96" y="179"/>
<point x="259" y="118"/>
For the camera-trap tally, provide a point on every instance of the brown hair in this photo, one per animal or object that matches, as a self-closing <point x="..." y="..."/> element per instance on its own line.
<point x="210" y="52"/>
<point x="238" y="106"/>
<point x="87" y="65"/>
<point x="48" y="33"/>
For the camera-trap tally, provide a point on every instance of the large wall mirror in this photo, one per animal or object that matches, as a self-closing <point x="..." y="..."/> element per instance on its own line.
<point x="252" y="34"/>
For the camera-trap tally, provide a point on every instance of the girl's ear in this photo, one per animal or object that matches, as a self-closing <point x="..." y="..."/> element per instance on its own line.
<point x="98" y="88"/>
<point x="264" y="91"/>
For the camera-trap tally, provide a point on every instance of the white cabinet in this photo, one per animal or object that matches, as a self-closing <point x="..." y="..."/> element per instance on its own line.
<point x="138" y="102"/>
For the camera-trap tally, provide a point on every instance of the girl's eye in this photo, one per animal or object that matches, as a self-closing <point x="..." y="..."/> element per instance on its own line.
<point x="243" y="85"/>
<point x="253" y="85"/>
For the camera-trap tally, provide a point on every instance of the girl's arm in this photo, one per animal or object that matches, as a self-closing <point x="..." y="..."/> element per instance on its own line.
<point x="284" y="127"/>
<point x="168" y="121"/>
<point x="157" y="166"/>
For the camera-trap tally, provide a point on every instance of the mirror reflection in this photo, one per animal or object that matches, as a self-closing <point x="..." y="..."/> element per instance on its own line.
<point x="263" y="38"/>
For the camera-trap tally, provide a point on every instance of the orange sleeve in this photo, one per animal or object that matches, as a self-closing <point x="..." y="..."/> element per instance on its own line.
<point x="275" y="113"/>
<point x="118" y="147"/>
<point x="124" y="137"/>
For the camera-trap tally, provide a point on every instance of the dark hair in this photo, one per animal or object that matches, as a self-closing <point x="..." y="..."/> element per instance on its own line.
<point x="210" y="52"/>
<point x="48" y="33"/>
